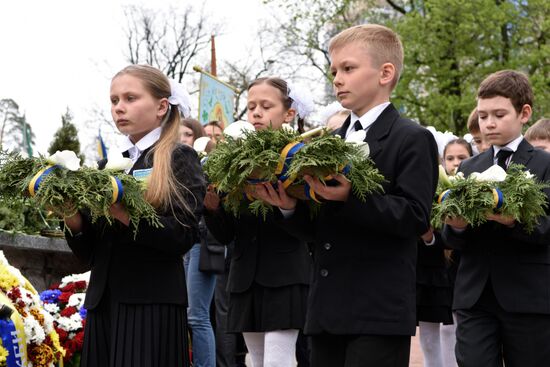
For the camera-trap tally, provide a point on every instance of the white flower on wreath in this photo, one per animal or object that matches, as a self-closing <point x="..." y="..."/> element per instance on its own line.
<point x="65" y="158"/>
<point x="358" y="138"/>
<point x="495" y="173"/>
<point x="51" y="308"/>
<point x="72" y="323"/>
<point x="75" y="278"/>
<point x="116" y="161"/>
<point x="528" y="175"/>
<point x="76" y="300"/>
<point x="33" y="330"/>
<point x="237" y="129"/>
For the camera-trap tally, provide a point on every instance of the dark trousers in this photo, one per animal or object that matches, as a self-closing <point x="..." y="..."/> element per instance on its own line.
<point x="360" y="351"/>
<point x="486" y="335"/>
<point x="230" y="348"/>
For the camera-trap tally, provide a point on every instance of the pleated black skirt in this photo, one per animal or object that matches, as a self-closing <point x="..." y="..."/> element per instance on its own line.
<point x="261" y="309"/>
<point x="135" y="335"/>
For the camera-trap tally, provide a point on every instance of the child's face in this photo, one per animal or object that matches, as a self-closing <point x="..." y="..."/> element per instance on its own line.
<point x="499" y="121"/>
<point x="135" y="111"/>
<point x="454" y="154"/>
<point x="480" y="143"/>
<point x="265" y="107"/>
<point x="543" y="144"/>
<point x="214" y="133"/>
<point x="358" y="85"/>
<point x="187" y="136"/>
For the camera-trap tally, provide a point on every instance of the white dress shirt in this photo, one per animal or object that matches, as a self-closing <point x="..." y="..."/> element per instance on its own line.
<point x="367" y="119"/>
<point x="512" y="146"/>
<point x="135" y="150"/>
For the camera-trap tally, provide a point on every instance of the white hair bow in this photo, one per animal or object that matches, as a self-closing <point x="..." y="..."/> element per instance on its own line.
<point x="301" y="100"/>
<point x="179" y="97"/>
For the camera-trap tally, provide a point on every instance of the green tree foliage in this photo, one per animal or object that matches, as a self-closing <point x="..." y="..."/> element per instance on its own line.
<point x="66" y="137"/>
<point x="15" y="133"/>
<point x="450" y="47"/>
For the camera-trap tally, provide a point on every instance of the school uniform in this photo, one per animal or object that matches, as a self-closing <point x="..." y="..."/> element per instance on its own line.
<point x="502" y="288"/>
<point x="269" y="272"/>
<point x="362" y="300"/>
<point x="434" y="282"/>
<point x="136" y="298"/>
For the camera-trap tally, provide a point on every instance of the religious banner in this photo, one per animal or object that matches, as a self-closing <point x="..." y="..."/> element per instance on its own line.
<point x="216" y="100"/>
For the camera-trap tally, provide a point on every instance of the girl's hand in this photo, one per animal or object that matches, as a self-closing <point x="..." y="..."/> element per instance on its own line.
<point x="504" y="220"/>
<point x="118" y="211"/>
<point x="74" y="223"/>
<point x="334" y="193"/>
<point x="457" y="223"/>
<point x="211" y="200"/>
<point x="267" y="193"/>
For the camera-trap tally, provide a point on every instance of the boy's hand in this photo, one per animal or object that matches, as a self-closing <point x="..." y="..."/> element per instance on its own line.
<point x="334" y="193"/>
<point x="211" y="200"/>
<point x="428" y="236"/>
<point x="267" y="193"/>
<point x="118" y="211"/>
<point x="457" y="223"/>
<point x="504" y="220"/>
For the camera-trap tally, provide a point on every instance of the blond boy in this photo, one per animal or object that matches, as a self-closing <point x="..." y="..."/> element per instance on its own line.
<point x="362" y="301"/>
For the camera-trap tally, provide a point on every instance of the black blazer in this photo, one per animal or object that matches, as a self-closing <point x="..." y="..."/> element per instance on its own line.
<point x="517" y="263"/>
<point x="149" y="267"/>
<point x="365" y="252"/>
<point x="263" y="252"/>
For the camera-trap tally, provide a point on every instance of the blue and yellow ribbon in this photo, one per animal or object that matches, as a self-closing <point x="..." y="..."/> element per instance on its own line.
<point x="37" y="179"/>
<point x="443" y="196"/>
<point x="498" y="198"/>
<point x="118" y="190"/>
<point x="285" y="160"/>
<point x="310" y="194"/>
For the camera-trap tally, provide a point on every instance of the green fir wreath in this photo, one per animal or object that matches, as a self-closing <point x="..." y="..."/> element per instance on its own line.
<point x="68" y="191"/>
<point x="257" y="157"/>
<point x="522" y="198"/>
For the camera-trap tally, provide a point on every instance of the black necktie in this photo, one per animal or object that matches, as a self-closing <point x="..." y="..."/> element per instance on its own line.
<point x="357" y="126"/>
<point x="502" y="156"/>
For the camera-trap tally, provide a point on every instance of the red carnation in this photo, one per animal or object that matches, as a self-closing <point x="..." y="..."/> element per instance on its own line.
<point x="68" y="288"/>
<point x="64" y="297"/>
<point x="79" y="339"/>
<point x="80" y="285"/>
<point x="63" y="335"/>
<point x="68" y="311"/>
<point x="54" y="286"/>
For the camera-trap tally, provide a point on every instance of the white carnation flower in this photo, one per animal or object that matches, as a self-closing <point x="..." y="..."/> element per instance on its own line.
<point x="237" y="129"/>
<point x="51" y="308"/>
<point x="65" y="158"/>
<point x="528" y="174"/>
<point x="495" y="173"/>
<point x="33" y="330"/>
<point x="357" y="138"/>
<point x="77" y="300"/>
<point x="116" y="161"/>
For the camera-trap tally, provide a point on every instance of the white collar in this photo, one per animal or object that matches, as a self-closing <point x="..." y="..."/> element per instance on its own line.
<point x="368" y="118"/>
<point x="143" y="143"/>
<point x="513" y="146"/>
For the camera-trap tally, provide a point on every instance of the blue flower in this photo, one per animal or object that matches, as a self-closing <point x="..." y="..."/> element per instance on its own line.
<point x="83" y="312"/>
<point x="50" y="296"/>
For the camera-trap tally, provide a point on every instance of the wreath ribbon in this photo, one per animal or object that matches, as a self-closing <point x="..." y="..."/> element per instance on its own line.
<point x="37" y="179"/>
<point x="498" y="197"/>
<point x="118" y="190"/>
<point x="285" y="160"/>
<point x="310" y="194"/>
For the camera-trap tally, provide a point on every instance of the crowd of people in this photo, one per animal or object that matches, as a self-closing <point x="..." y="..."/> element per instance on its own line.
<point x="346" y="287"/>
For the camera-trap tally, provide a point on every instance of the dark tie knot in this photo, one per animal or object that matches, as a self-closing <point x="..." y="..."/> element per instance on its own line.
<point x="357" y="126"/>
<point x="502" y="157"/>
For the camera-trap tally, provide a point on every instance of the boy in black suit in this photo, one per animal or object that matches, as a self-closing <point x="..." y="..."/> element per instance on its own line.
<point x="361" y="306"/>
<point x="502" y="291"/>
